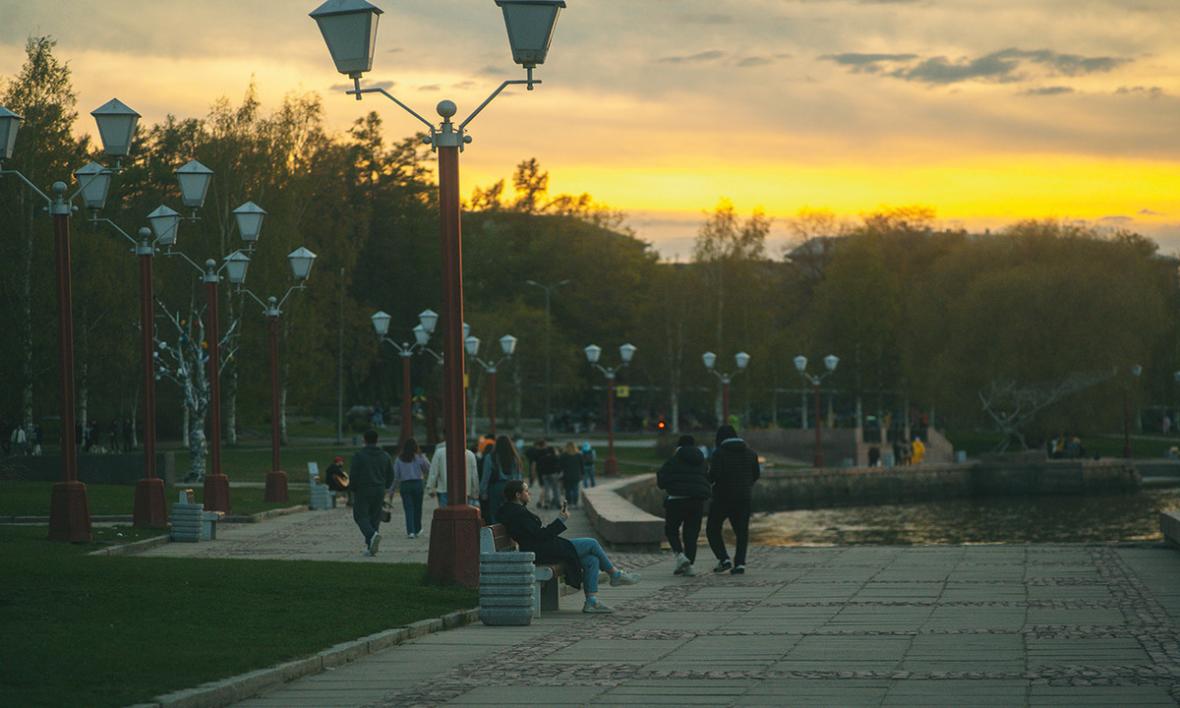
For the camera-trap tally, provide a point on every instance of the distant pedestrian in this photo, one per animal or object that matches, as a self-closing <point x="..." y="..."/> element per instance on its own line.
<point x="19" y="440"/>
<point x="733" y="470"/>
<point x="874" y="456"/>
<point x="919" y="450"/>
<point x="1166" y="424"/>
<point x="543" y="466"/>
<point x="500" y="467"/>
<point x="436" y="482"/>
<point x="685" y="480"/>
<point x="588" y="459"/>
<point x="372" y="475"/>
<point x="409" y="471"/>
<point x="571" y="472"/>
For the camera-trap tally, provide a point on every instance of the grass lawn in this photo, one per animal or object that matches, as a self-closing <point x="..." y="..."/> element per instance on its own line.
<point x="32" y="499"/>
<point x="111" y="631"/>
<point x="250" y="463"/>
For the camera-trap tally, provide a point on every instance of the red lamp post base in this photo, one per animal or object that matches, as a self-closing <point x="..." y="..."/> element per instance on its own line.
<point x="69" y="513"/>
<point x="216" y="493"/>
<point x="150" y="512"/>
<point x="610" y="468"/>
<point x="454" y="546"/>
<point x="276" y="486"/>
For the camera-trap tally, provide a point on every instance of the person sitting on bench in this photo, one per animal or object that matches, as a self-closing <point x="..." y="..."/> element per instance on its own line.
<point x="337" y="479"/>
<point x="583" y="558"/>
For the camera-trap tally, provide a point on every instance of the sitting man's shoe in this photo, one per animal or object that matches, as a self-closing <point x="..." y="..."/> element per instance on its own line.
<point x="596" y="608"/>
<point x="623" y="578"/>
<point x="682" y="562"/>
<point x="738" y="570"/>
<point x="374" y="543"/>
<point x="723" y="566"/>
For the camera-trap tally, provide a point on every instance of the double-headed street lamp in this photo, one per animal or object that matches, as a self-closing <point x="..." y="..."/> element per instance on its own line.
<point x="593" y="354"/>
<point x="427" y="319"/>
<point x="548" y="349"/>
<point x="508" y="348"/>
<point x="301" y="261"/>
<point x="193" y="178"/>
<point x="742" y="360"/>
<point x="349" y="28"/>
<point x="69" y="511"/>
<point x="830" y="363"/>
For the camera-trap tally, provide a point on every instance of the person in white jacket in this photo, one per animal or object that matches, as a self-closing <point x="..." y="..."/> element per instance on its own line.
<point x="436" y="482"/>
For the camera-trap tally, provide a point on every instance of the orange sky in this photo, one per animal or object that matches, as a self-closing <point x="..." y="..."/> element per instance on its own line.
<point x="987" y="110"/>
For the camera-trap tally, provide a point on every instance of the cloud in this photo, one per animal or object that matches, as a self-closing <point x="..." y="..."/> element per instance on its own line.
<point x="1047" y="91"/>
<point x="1149" y="212"/>
<point x="395" y="50"/>
<point x="1149" y="91"/>
<point x="867" y="63"/>
<point x="1116" y="220"/>
<point x="430" y="87"/>
<point x="464" y="85"/>
<point x="754" y="61"/>
<point x="710" y="55"/>
<point x="367" y="84"/>
<point x="714" y="18"/>
<point x="1003" y="66"/>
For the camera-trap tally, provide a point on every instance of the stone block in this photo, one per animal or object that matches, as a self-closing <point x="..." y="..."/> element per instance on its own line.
<point x="506" y="616"/>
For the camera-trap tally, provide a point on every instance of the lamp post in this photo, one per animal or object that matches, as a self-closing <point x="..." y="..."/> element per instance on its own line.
<point x="249" y="218"/>
<point x="548" y="349"/>
<point x="349" y="28"/>
<point x="69" y="511"/>
<point x="742" y="360"/>
<point x="593" y="354"/>
<point x="507" y="348"/>
<point x="830" y="363"/>
<point x="301" y="261"/>
<point x="150" y="510"/>
<point x="1136" y="372"/>
<point x="427" y="319"/>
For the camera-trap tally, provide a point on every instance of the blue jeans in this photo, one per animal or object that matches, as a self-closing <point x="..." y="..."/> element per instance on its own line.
<point x="588" y="476"/>
<point x="593" y="560"/>
<point x="442" y="499"/>
<point x="411" y="490"/>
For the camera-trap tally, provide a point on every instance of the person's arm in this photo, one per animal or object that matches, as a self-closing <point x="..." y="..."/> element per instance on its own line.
<point x="436" y="463"/>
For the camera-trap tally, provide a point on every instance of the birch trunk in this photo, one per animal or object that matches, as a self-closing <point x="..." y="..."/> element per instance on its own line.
<point x="26" y="325"/>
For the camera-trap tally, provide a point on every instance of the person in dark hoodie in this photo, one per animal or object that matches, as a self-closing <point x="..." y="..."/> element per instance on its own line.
<point x="583" y="558"/>
<point x="733" y="470"/>
<point x="371" y="475"/>
<point x="685" y="479"/>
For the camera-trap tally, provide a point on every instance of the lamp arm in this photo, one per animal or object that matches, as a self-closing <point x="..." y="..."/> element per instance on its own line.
<point x="103" y="220"/>
<point x="490" y="98"/>
<point x="358" y="91"/>
<point x="247" y="291"/>
<point x="27" y="182"/>
<point x="82" y="185"/>
<point x="437" y="357"/>
<point x="293" y="288"/>
<point x="190" y="261"/>
<point x="400" y="349"/>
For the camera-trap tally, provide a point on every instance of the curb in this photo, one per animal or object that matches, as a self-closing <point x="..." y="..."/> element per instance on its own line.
<point x="262" y="515"/>
<point x="126" y="549"/>
<point x="237" y="688"/>
<point x="108" y="518"/>
<point x="127" y="518"/>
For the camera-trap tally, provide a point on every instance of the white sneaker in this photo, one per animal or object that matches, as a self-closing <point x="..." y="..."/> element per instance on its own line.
<point x="682" y="563"/>
<point x="374" y="543"/>
<point x="690" y="571"/>
<point x="624" y="578"/>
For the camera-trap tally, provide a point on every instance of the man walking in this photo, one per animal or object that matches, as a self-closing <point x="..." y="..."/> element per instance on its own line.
<point x="733" y="469"/>
<point x="370" y="475"/>
<point x="685" y="480"/>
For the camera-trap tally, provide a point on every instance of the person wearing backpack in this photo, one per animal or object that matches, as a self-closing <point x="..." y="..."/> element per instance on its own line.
<point x="500" y="466"/>
<point x="685" y="480"/>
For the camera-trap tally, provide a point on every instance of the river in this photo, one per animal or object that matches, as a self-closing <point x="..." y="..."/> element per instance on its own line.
<point x="1040" y="519"/>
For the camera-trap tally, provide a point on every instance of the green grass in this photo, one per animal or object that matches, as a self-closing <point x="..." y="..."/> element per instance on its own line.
<point x="111" y="631"/>
<point x="32" y="499"/>
<point x="250" y="463"/>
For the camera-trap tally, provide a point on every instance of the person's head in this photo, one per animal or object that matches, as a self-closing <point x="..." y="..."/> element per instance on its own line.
<point x="686" y="441"/>
<point x="338" y="460"/>
<point x="517" y="490"/>
<point x="505" y="453"/>
<point x="409" y="450"/>
<point x="570" y="448"/>
<point x="724" y="433"/>
<point x="540" y="443"/>
<point x="370" y="437"/>
<point x="586" y="447"/>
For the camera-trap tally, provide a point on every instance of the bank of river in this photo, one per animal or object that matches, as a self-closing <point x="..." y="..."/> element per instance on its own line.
<point x="998" y="519"/>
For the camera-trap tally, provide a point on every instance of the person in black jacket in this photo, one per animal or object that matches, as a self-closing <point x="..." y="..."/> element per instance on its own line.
<point x="685" y="478"/>
<point x="583" y="558"/>
<point x="371" y="474"/>
<point x="733" y="470"/>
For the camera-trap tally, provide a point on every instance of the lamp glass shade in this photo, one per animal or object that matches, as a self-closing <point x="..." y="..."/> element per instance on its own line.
<point x="235" y="267"/>
<point x="710" y="359"/>
<point x="472" y="346"/>
<point x="1176" y="376"/>
<point x="831" y="361"/>
<point x="421" y="336"/>
<point x="95" y="183"/>
<point x="165" y="223"/>
<point x="593" y="352"/>
<point x="508" y="345"/>
<point x="530" y="25"/>
<point x="9" y="124"/>
<point x="428" y="319"/>
<point x="627" y="352"/>
<point x="742" y="360"/>
<point x="249" y="217"/>
<point x="801" y="363"/>
<point x="349" y="28"/>
<point x="193" y="178"/>
<point x="116" y="126"/>
<point x="1136" y="370"/>
<point x="466" y="330"/>
<point x="301" y="261"/>
<point x="380" y="320"/>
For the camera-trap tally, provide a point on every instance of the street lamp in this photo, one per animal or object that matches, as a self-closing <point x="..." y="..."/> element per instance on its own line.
<point x="830" y="363"/>
<point x="507" y="348"/>
<point x="69" y="512"/>
<point x="349" y="28"/>
<point x="593" y="354"/>
<point x="300" y="260"/>
<point x="422" y="331"/>
<point x="742" y="360"/>
<point x="548" y="350"/>
<point x="1136" y="372"/>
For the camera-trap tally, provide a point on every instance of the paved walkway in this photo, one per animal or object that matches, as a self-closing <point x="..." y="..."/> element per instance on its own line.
<point x="867" y="625"/>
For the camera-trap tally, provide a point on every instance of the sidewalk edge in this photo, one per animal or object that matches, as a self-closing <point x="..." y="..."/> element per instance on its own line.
<point x="124" y="549"/>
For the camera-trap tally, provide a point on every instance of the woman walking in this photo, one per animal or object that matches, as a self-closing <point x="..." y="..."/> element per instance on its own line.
<point x="500" y="466"/>
<point x="408" y="472"/>
<point x="571" y="472"/>
<point x="685" y="479"/>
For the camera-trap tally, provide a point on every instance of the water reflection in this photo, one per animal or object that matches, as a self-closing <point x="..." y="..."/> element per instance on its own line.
<point x="1068" y="519"/>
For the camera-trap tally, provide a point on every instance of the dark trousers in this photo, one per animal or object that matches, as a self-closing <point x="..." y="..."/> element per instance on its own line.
<point x="737" y="511"/>
<point x="411" y="491"/>
<point x="366" y="512"/>
<point x="683" y="516"/>
<point x="571" y="493"/>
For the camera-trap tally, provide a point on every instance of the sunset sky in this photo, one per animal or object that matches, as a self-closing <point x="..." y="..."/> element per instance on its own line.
<point x="987" y="110"/>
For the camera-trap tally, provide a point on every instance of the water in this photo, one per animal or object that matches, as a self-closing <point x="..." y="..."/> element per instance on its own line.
<point x="1047" y="519"/>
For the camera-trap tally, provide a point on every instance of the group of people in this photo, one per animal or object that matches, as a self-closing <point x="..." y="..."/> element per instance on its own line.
<point x="1065" y="447"/>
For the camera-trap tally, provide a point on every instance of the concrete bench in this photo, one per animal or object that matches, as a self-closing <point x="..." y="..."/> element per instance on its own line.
<point x="547" y="597"/>
<point x="320" y="497"/>
<point x="191" y="523"/>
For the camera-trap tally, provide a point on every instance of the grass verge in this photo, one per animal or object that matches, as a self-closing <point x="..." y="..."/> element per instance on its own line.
<point x="32" y="499"/>
<point x="112" y="631"/>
